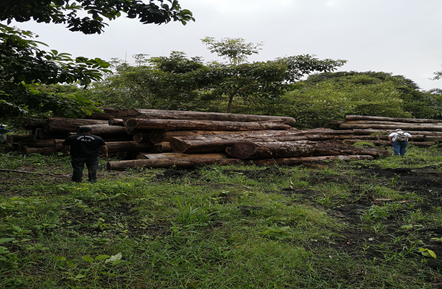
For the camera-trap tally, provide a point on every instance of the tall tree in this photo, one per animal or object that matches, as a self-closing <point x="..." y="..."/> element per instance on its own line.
<point x="24" y="66"/>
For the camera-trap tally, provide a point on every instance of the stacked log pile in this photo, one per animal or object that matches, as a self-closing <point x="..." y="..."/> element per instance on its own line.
<point x="158" y="138"/>
<point x="375" y="129"/>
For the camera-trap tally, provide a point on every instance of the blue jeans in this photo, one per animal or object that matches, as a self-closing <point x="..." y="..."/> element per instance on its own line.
<point x="399" y="147"/>
<point x="78" y="166"/>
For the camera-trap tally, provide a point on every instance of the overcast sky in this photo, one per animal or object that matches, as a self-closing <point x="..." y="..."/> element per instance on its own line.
<point x="401" y="37"/>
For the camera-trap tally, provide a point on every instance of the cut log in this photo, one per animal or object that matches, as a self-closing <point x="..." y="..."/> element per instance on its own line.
<point x="386" y="143"/>
<point x="41" y="143"/>
<point x="106" y="130"/>
<point x="42" y="151"/>
<point x="116" y="121"/>
<point x="164" y="147"/>
<point x="177" y="124"/>
<point x="60" y="124"/>
<point x="387" y="132"/>
<point x="161" y="135"/>
<point x="218" y="143"/>
<point x="128" y="146"/>
<point x="395" y="119"/>
<point x="196" y="115"/>
<point x="407" y="127"/>
<point x="180" y="156"/>
<point x="262" y="150"/>
<point x="19" y="137"/>
<point x="165" y="163"/>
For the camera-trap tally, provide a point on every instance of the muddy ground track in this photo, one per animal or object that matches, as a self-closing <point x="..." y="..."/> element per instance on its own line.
<point x="424" y="182"/>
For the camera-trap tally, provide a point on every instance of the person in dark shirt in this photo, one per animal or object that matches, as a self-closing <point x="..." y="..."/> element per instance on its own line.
<point x="85" y="149"/>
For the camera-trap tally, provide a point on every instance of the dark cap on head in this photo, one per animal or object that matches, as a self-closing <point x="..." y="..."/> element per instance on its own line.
<point x="85" y="129"/>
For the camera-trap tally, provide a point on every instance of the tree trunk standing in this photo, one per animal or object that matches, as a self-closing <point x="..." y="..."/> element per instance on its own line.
<point x="197" y="115"/>
<point x="173" y="124"/>
<point x="58" y="124"/>
<point x="263" y="150"/>
<point x="394" y="119"/>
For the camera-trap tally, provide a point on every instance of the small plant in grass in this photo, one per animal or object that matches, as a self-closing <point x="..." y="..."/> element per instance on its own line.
<point x="427" y="252"/>
<point x="375" y="213"/>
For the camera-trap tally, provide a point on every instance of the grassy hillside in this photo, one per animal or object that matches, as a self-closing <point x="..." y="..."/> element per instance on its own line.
<point x="364" y="224"/>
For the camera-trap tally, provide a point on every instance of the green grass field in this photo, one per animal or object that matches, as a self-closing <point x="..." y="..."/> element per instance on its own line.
<point x="361" y="224"/>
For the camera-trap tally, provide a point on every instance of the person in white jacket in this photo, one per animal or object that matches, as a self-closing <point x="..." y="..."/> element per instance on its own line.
<point x="399" y="140"/>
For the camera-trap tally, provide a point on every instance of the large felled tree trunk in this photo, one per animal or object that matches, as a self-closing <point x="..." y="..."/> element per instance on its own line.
<point x="172" y="124"/>
<point x="262" y="150"/>
<point x="393" y="119"/>
<point x="187" y="115"/>
<point x="61" y="124"/>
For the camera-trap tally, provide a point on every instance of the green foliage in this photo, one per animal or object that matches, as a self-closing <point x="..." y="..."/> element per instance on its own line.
<point x="178" y="82"/>
<point x="330" y="96"/>
<point x="65" y="12"/>
<point x="235" y="50"/>
<point x="24" y="67"/>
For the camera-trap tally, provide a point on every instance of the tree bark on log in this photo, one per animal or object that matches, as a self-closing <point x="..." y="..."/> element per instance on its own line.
<point x="106" y="130"/>
<point x="177" y="124"/>
<point x="19" y="137"/>
<point x="386" y="143"/>
<point x="218" y="143"/>
<point x="263" y="150"/>
<point x="161" y="135"/>
<point x="116" y="121"/>
<point x="394" y="119"/>
<point x="196" y="115"/>
<point x="408" y="127"/>
<point x="181" y="156"/>
<point x="61" y="124"/>
<point x="41" y="143"/>
<point x="42" y="151"/>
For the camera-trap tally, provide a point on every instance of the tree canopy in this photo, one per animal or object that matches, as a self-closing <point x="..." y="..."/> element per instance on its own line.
<point x="179" y="82"/>
<point x="25" y="67"/>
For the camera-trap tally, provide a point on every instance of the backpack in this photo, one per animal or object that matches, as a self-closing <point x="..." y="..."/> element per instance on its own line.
<point x="401" y="137"/>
